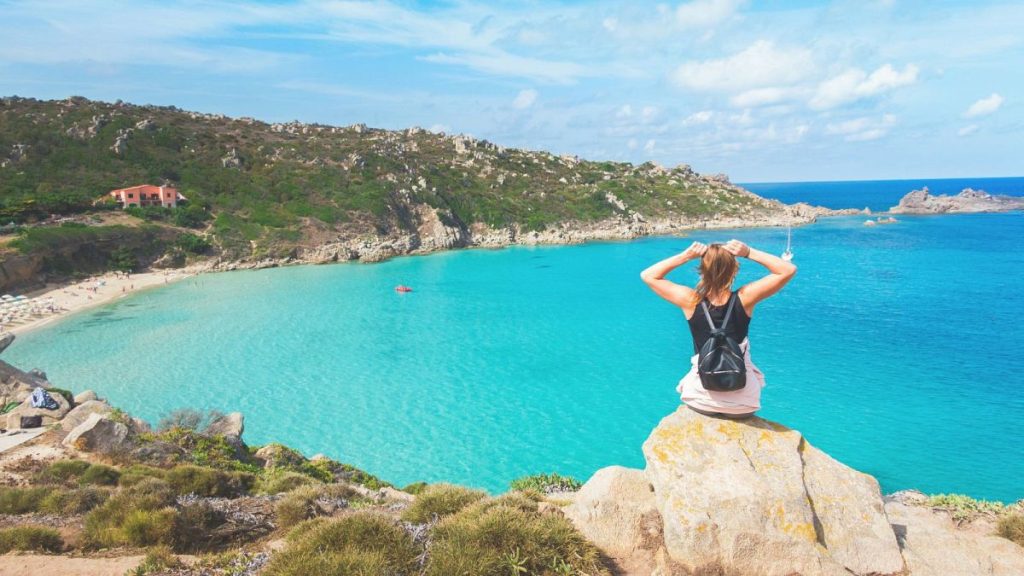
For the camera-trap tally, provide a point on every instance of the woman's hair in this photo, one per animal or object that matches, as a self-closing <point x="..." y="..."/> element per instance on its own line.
<point x="717" y="269"/>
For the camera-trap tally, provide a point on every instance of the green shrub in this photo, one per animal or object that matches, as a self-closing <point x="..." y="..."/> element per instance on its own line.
<point x="439" y="500"/>
<point x="188" y="419"/>
<point x="193" y="244"/>
<point x="212" y="451"/>
<point x="136" y="473"/>
<point x="360" y="544"/>
<point x="203" y="481"/>
<point x="278" y="481"/>
<point x="962" y="507"/>
<point x="100" y="475"/>
<point x="547" y="483"/>
<point x="63" y="471"/>
<point x="194" y="525"/>
<point x="22" y="500"/>
<point x="415" y="488"/>
<point x="507" y="535"/>
<point x="1011" y="527"/>
<point x="72" y="502"/>
<point x="30" y="538"/>
<point x="141" y="515"/>
<point x="158" y="559"/>
<point x="312" y="501"/>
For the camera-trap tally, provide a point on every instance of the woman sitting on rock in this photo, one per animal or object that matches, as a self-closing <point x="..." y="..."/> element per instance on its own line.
<point x="711" y="297"/>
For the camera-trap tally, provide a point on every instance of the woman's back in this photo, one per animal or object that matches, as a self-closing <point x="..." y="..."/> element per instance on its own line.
<point x="737" y="328"/>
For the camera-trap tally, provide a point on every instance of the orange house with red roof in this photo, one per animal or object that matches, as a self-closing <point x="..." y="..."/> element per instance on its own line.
<point x="148" y="195"/>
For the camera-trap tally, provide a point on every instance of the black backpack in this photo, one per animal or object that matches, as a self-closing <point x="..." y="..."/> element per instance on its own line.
<point x="720" y="360"/>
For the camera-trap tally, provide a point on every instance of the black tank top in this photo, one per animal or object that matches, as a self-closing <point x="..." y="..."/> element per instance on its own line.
<point x="739" y="322"/>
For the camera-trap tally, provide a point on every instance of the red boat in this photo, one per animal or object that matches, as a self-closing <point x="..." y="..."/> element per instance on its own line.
<point x="402" y="288"/>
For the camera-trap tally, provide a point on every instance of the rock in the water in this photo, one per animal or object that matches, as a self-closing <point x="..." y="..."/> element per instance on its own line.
<point x="83" y="397"/>
<point x="100" y="435"/>
<point x="49" y="416"/>
<point x="753" y="497"/>
<point x="616" y="511"/>
<point x="934" y="546"/>
<point x="81" y="413"/>
<point x="230" y="426"/>
<point x="6" y="340"/>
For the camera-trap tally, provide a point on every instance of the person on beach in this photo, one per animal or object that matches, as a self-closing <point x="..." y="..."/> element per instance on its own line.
<point x="718" y="268"/>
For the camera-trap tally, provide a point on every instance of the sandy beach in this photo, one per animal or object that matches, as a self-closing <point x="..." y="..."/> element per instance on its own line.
<point x="94" y="291"/>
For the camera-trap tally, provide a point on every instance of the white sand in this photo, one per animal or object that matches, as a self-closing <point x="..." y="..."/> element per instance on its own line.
<point x="95" y="291"/>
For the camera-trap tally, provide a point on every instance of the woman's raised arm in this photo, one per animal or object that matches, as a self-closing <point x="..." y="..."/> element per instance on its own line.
<point x="654" y="277"/>
<point x="780" y="272"/>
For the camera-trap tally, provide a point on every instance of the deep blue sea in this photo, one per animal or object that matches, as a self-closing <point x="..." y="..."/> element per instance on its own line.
<point x="897" y="349"/>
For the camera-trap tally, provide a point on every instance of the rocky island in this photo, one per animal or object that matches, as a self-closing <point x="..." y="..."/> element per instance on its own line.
<point x="95" y="491"/>
<point x="967" y="201"/>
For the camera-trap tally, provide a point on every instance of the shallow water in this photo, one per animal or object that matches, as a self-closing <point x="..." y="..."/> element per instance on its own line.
<point x="895" y="349"/>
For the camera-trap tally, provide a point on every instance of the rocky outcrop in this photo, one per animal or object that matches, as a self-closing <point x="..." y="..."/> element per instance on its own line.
<point x="230" y="426"/>
<point x="967" y="201"/>
<point x="6" y="340"/>
<point x="82" y="412"/>
<point x="48" y="416"/>
<point x="85" y="396"/>
<point x="279" y="456"/>
<point x="933" y="545"/>
<point x="100" y="435"/>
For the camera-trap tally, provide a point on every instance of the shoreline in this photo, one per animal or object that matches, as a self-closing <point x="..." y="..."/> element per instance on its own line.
<point x="96" y="291"/>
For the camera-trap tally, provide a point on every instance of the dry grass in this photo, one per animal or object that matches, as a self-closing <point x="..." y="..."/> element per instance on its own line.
<point x="440" y="500"/>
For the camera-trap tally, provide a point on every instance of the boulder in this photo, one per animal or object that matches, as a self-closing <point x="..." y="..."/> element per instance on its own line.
<point x="49" y="416"/>
<point x="6" y="340"/>
<point x="753" y="497"/>
<point x="616" y="510"/>
<point x="81" y="413"/>
<point x="230" y="426"/>
<point x="933" y="545"/>
<point x="101" y="435"/>
<point x="83" y="397"/>
<point x="278" y="456"/>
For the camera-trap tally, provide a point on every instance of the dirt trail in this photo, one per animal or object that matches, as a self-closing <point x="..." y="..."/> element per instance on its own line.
<point x="41" y="565"/>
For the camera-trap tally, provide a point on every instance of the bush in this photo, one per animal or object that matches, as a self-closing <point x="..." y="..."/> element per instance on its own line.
<point x="1011" y="527"/>
<point x="194" y="524"/>
<point x="962" y="507"/>
<point x="63" y="471"/>
<point x="312" y="501"/>
<point x="508" y="536"/>
<point x="100" y="475"/>
<point x="158" y="559"/>
<point x="203" y="481"/>
<point x="188" y="419"/>
<point x="72" y="502"/>
<point x="415" y="488"/>
<point x="547" y="483"/>
<point x="277" y="481"/>
<point x="439" y="500"/>
<point x="22" y="500"/>
<point x="192" y="244"/>
<point x="136" y="473"/>
<point x="30" y="538"/>
<point x="360" y="544"/>
<point x="141" y="515"/>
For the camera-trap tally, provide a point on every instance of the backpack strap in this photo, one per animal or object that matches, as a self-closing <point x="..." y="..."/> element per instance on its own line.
<point x="728" y="312"/>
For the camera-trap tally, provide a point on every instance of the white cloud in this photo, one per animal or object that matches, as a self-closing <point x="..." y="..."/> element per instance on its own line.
<point x="706" y="13"/>
<point x="696" y="118"/>
<point x="760" y="65"/>
<point x="985" y="106"/>
<point x="649" y="146"/>
<point x="760" y="97"/>
<point x="862" y="129"/>
<point x="967" y="130"/>
<point x="525" y="99"/>
<point x="855" y="84"/>
<point x="631" y="144"/>
<point x="649" y="113"/>
<point x="440" y="128"/>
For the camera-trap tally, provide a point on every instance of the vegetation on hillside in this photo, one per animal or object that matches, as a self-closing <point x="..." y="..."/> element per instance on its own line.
<point x="258" y="187"/>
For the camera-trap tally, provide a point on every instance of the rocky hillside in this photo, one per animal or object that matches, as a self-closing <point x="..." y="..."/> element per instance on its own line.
<point x="324" y="193"/>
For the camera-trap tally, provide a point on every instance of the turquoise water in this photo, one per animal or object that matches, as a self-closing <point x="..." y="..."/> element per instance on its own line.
<point x="896" y="349"/>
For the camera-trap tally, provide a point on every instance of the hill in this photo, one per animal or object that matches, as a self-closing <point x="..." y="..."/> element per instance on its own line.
<point x="257" y="190"/>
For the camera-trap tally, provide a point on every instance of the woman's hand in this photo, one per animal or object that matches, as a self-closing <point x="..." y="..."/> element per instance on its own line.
<point x="737" y="248"/>
<point x="696" y="250"/>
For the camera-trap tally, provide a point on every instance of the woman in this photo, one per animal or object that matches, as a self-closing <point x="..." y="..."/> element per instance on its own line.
<point x="718" y="268"/>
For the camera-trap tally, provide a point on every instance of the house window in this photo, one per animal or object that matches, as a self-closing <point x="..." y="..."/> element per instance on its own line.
<point x="131" y="195"/>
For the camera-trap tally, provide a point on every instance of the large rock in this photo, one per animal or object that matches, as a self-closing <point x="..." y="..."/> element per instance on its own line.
<point x="5" y="340"/>
<point x="616" y="510"/>
<point x="81" y="413"/>
<point x="753" y="497"/>
<point x="279" y="456"/>
<point x="933" y="545"/>
<point x="101" y="435"/>
<point x="49" y="416"/>
<point x="230" y="426"/>
<point x="85" y="396"/>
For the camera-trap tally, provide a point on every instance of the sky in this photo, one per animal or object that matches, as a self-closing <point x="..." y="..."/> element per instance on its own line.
<point x="770" y="90"/>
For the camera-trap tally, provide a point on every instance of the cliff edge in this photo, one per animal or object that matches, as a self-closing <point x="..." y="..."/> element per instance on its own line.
<point x="753" y="497"/>
<point x="967" y="201"/>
